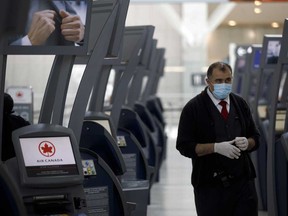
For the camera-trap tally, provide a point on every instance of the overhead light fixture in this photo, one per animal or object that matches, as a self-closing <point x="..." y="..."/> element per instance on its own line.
<point x="275" y="25"/>
<point x="257" y="3"/>
<point x="257" y="10"/>
<point x="241" y="51"/>
<point x="232" y="23"/>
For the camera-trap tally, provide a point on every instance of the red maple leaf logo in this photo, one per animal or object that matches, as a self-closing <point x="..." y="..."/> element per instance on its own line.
<point x="19" y="94"/>
<point x="47" y="149"/>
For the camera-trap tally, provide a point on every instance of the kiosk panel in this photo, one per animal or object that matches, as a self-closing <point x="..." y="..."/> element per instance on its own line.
<point x="256" y="58"/>
<point x="48" y="156"/>
<point x="273" y="50"/>
<point x="270" y="51"/>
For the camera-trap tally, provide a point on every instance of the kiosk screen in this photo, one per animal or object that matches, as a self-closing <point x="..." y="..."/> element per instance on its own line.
<point x="48" y="156"/>
<point x="273" y="50"/>
<point x="270" y="51"/>
<point x="257" y="58"/>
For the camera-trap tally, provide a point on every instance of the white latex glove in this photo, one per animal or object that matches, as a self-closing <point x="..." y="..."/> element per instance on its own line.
<point x="227" y="149"/>
<point x="241" y="143"/>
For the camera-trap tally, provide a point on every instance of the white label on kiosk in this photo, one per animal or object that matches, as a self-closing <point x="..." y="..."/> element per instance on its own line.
<point x="21" y="95"/>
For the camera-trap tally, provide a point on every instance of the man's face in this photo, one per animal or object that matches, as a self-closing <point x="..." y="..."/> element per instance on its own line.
<point x="219" y="77"/>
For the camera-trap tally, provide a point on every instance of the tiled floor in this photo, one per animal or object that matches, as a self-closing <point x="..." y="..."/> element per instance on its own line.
<point x="173" y="194"/>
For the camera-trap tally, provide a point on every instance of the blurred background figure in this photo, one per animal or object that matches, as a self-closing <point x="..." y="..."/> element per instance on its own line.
<point x="11" y="122"/>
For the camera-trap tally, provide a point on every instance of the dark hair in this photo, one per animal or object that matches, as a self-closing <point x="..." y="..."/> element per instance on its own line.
<point x="8" y="104"/>
<point x="222" y="66"/>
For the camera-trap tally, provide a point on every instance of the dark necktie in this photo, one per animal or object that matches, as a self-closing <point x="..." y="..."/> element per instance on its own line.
<point x="224" y="111"/>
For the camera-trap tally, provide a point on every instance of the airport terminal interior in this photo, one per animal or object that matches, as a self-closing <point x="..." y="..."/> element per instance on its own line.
<point x="92" y="92"/>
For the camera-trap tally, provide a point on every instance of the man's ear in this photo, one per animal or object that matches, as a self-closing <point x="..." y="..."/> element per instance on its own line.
<point x="206" y="80"/>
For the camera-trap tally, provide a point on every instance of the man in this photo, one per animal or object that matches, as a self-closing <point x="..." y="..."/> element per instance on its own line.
<point x="11" y="122"/>
<point x="219" y="138"/>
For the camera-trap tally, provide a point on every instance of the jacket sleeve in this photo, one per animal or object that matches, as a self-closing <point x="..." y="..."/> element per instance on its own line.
<point x="186" y="140"/>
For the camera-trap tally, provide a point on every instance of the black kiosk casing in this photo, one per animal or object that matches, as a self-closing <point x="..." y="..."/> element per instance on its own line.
<point x="48" y="170"/>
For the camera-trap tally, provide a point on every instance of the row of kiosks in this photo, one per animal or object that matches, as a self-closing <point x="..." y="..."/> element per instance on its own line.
<point x="101" y="131"/>
<point x="277" y="195"/>
<point x="260" y="103"/>
<point x="98" y="132"/>
<point x="267" y="97"/>
<point x="245" y="83"/>
<point x="139" y="172"/>
<point x="101" y="158"/>
<point x="93" y="166"/>
<point x="144" y="125"/>
<point x="50" y="173"/>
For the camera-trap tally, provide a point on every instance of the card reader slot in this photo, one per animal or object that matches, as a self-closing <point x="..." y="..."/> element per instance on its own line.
<point x="50" y="197"/>
<point x="49" y="204"/>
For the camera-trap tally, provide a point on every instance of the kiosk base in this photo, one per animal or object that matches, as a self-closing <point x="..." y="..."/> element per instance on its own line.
<point x="68" y="200"/>
<point x="138" y="192"/>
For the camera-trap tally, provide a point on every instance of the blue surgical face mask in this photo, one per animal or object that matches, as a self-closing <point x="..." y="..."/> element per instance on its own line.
<point x="221" y="91"/>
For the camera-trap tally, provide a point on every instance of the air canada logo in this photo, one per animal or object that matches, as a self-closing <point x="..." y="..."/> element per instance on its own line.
<point x="19" y="94"/>
<point x="47" y="149"/>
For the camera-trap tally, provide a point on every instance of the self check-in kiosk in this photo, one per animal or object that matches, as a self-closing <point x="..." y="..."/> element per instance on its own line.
<point x="129" y="119"/>
<point x="136" y="186"/>
<point x="154" y="103"/>
<point x="240" y="68"/>
<point x="141" y="83"/>
<point x="48" y="171"/>
<point x="103" y="189"/>
<point x="98" y="148"/>
<point x="249" y="84"/>
<point x="134" y="97"/>
<point x="151" y="101"/>
<point x="260" y="105"/>
<point x="254" y="77"/>
<point x="277" y="127"/>
<point x="135" y="181"/>
<point x="98" y="12"/>
<point x="252" y="70"/>
<point x="98" y="136"/>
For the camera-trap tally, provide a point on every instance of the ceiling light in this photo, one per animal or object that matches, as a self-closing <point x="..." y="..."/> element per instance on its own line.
<point x="257" y="3"/>
<point x="232" y="23"/>
<point x="275" y="25"/>
<point x="241" y="51"/>
<point x="257" y="10"/>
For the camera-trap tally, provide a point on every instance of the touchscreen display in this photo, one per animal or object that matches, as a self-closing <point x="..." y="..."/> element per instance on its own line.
<point x="48" y="156"/>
